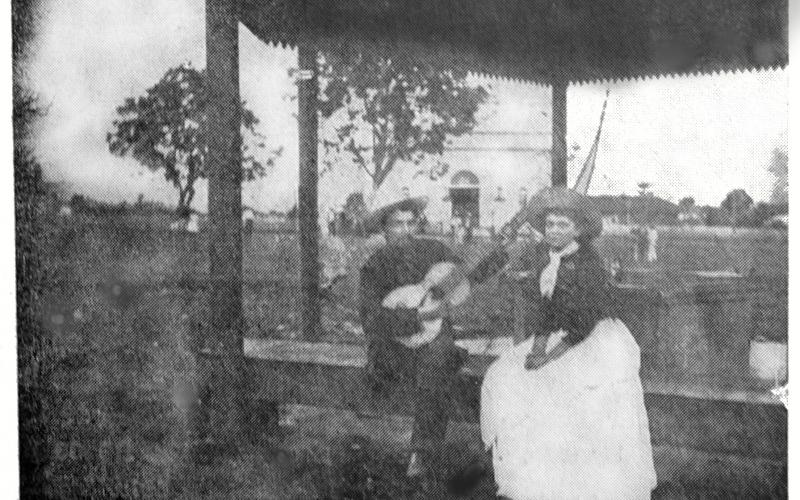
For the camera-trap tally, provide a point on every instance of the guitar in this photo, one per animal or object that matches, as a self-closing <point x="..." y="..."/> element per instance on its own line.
<point x="444" y="282"/>
<point x="450" y="283"/>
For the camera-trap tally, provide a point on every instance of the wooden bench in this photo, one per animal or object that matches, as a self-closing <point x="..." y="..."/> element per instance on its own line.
<point x="734" y="423"/>
<point x="727" y="416"/>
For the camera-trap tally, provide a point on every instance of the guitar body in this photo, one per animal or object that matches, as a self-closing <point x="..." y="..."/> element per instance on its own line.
<point x="415" y="296"/>
<point x="451" y="283"/>
<point x="446" y="282"/>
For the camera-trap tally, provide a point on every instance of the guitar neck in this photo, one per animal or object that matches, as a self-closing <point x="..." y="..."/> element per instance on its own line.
<point x="489" y="265"/>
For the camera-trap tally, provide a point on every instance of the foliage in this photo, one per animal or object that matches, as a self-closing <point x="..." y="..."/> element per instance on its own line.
<point x="85" y="205"/>
<point x="26" y="17"/>
<point x="736" y="206"/>
<point x="164" y="130"/>
<point x="686" y="203"/>
<point x="646" y="209"/>
<point x="383" y="111"/>
<point x="33" y="360"/>
<point x="762" y="212"/>
<point x="70" y="446"/>
<point x="753" y="215"/>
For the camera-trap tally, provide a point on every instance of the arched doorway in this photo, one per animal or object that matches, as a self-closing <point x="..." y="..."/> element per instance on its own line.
<point x="465" y="196"/>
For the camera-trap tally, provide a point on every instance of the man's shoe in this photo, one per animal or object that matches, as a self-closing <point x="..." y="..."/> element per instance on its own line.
<point x="415" y="466"/>
<point x="467" y="479"/>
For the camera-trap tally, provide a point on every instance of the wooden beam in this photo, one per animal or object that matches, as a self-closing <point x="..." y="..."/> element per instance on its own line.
<point x="700" y="417"/>
<point x="559" y="116"/>
<point x="307" y="192"/>
<point x="587" y="41"/>
<point x="221" y="382"/>
<point x="223" y="139"/>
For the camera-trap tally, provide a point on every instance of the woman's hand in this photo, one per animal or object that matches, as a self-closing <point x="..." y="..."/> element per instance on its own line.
<point x="534" y="360"/>
<point x="539" y="347"/>
<point x="538" y="355"/>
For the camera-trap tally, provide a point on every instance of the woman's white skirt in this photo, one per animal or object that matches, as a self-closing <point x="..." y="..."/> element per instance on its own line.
<point x="574" y="429"/>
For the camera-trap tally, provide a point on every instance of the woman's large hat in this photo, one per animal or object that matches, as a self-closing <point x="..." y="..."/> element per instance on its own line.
<point x="552" y="199"/>
<point x="374" y="221"/>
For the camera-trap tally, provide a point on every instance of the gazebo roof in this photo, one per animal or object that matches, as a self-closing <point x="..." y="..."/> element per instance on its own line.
<point x="540" y="40"/>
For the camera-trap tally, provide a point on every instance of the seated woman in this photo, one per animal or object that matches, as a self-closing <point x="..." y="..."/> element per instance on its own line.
<point x="563" y="412"/>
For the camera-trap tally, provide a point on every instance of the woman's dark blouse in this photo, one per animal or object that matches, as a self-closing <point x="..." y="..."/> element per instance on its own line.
<point x="581" y="297"/>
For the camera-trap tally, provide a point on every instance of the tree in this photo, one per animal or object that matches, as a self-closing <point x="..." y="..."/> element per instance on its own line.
<point x="713" y="216"/>
<point x="164" y="130"/>
<point x="686" y="203"/>
<point x="779" y="167"/>
<point x="644" y="189"/>
<point x="737" y="205"/>
<point x="382" y="111"/>
<point x="762" y="212"/>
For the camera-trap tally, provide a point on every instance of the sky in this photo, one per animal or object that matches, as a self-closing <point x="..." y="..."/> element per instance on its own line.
<point x="698" y="136"/>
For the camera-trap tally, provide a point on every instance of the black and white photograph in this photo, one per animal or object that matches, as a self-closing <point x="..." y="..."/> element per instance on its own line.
<point x="401" y="249"/>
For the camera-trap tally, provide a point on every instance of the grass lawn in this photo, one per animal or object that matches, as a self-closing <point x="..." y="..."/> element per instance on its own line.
<point x="122" y="312"/>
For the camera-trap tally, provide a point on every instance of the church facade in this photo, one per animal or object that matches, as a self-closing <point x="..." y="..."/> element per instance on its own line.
<point x="481" y="180"/>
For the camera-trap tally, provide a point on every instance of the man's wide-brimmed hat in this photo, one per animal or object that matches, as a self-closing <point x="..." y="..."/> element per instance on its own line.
<point x="374" y="221"/>
<point x="557" y="199"/>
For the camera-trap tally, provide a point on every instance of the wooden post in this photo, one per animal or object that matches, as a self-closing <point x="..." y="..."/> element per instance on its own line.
<point x="221" y="381"/>
<point x="307" y="215"/>
<point x="559" y="151"/>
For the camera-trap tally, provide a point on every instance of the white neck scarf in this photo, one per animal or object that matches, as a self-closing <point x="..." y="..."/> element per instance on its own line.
<point x="547" y="280"/>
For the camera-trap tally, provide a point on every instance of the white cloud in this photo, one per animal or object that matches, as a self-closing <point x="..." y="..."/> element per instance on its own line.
<point x="698" y="136"/>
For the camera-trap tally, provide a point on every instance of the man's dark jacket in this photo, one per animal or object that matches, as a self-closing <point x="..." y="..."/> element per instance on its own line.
<point x="394" y="266"/>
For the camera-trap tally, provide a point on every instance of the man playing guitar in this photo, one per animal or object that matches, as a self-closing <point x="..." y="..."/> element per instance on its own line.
<point x="407" y="288"/>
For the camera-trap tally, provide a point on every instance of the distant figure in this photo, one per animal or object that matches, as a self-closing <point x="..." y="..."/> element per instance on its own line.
<point x="332" y="222"/>
<point x="616" y="270"/>
<point x="333" y="256"/>
<point x="345" y="225"/>
<point x="469" y="228"/>
<point x="247" y="222"/>
<point x="641" y="243"/>
<point x="458" y="230"/>
<point x="462" y="230"/>
<point x="65" y="211"/>
<point x="180" y="223"/>
<point x="652" y="240"/>
<point x="353" y="213"/>
<point x="423" y="224"/>
<point x="193" y="225"/>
